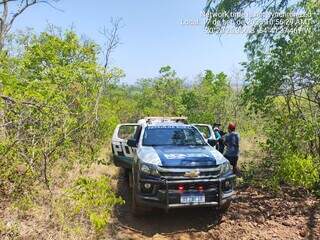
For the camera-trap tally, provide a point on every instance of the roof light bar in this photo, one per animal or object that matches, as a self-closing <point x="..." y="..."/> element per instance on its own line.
<point x="165" y="119"/>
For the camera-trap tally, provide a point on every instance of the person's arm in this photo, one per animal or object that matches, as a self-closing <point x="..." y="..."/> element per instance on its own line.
<point x="238" y="140"/>
<point x="225" y="139"/>
<point x="217" y="135"/>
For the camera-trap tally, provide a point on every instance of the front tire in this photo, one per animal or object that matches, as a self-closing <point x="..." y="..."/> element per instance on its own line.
<point x="220" y="212"/>
<point x="135" y="208"/>
<point x="130" y="181"/>
<point x="218" y="215"/>
<point x="225" y="207"/>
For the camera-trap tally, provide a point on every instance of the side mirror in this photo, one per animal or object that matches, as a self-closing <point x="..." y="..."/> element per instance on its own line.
<point x="132" y="143"/>
<point x="212" y="142"/>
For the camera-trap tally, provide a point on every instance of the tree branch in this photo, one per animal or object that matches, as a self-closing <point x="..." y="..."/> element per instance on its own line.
<point x="112" y="38"/>
<point x="7" y="22"/>
<point x="112" y="42"/>
<point x="21" y="10"/>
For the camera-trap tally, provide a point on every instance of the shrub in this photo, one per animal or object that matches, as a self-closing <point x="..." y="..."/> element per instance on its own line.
<point x="299" y="171"/>
<point x="89" y="200"/>
<point x="49" y="109"/>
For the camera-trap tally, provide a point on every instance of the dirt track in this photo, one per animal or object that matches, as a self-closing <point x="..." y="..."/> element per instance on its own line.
<point x="254" y="214"/>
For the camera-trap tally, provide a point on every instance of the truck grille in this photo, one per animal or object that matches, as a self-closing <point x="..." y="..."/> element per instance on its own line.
<point x="180" y="173"/>
<point x="190" y="186"/>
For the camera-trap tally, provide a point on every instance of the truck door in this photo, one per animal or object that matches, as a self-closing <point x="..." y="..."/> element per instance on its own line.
<point x="123" y="154"/>
<point x="206" y="130"/>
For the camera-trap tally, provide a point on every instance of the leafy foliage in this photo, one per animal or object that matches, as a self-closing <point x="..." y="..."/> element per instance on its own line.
<point x="91" y="199"/>
<point x="221" y="13"/>
<point x="299" y="171"/>
<point x="282" y="84"/>
<point x="49" y="94"/>
<point x="59" y="108"/>
<point x="209" y="102"/>
<point x="161" y="95"/>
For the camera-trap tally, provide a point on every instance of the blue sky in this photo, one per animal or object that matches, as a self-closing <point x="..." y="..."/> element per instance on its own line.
<point x="152" y="36"/>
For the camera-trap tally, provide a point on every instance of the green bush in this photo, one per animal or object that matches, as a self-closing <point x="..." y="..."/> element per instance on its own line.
<point x="50" y="109"/>
<point x="299" y="171"/>
<point x="89" y="200"/>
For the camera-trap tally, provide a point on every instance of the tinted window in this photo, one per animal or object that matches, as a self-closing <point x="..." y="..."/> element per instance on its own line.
<point x="172" y="135"/>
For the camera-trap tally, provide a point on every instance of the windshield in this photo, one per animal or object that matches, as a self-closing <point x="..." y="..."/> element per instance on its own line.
<point x="172" y="135"/>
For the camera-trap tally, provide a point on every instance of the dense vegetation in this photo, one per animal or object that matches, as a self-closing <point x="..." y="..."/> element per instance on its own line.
<point x="282" y="82"/>
<point x="59" y="107"/>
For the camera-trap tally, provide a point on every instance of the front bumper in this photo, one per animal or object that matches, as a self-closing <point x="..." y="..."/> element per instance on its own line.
<point x="165" y="193"/>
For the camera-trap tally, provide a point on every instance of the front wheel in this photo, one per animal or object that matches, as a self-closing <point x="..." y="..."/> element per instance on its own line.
<point x="135" y="208"/>
<point x="130" y="178"/>
<point x="219" y="212"/>
<point x="218" y="215"/>
<point x="225" y="207"/>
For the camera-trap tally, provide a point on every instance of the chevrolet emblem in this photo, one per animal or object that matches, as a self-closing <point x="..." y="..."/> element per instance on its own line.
<point x="192" y="174"/>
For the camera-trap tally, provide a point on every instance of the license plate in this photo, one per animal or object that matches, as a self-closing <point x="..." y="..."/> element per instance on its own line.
<point x="199" y="198"/>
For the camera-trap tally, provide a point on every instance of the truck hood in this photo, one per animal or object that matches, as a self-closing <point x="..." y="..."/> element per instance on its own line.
<point x="181" y="156"/>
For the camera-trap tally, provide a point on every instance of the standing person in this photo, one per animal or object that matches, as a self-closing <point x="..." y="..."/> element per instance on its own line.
<point x="232" y="140"/>
<point x="219" y="134"/>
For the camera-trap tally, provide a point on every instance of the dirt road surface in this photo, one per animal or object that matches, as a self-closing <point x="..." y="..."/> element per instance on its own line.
<point x="254" y="214"/>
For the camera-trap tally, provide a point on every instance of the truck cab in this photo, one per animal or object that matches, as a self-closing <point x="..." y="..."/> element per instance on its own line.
<point x="172" y="165"/>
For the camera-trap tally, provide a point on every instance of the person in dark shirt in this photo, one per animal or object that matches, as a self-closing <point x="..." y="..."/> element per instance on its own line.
<point x="219" y="134"/>
<point x="231" y="141"/>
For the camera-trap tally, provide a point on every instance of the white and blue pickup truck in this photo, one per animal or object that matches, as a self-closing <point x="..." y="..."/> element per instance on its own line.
<point x="172" y="164"/>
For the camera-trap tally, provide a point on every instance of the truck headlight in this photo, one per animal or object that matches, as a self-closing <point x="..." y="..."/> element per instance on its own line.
<point x="225" y="168"/>
<point x="148" y="169"/>
<point x="145" y="169"/>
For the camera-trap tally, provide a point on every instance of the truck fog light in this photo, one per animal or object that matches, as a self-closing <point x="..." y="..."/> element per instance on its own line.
<point x="227" y="184"/>
<point x="147" y="185"/>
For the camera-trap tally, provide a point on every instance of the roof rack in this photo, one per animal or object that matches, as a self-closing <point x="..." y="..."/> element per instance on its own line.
<point x="166" y="119"/>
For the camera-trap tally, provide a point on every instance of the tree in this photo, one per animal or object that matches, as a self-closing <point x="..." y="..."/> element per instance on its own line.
<point x="161" y="95"/>
<point x="286" y="78"/>
<point x="11" y="10"/>
<point x="207" y="99"/>
<point x="282" y="79"/>
<point x="282" y="70"/>
<point x="48" y="96"/>
<point x="222" y="13"/>
<point x="112" y="38"/>
<point x="112" y="42"/>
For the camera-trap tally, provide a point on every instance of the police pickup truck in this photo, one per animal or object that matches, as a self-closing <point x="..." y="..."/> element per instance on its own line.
<point x="172" y="164"/>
